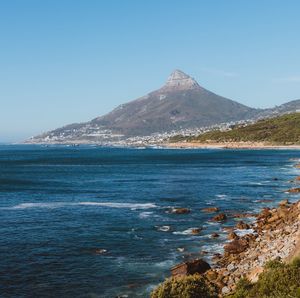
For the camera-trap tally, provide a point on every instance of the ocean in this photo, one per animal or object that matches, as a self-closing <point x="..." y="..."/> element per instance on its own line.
<point x="90" y="221"/>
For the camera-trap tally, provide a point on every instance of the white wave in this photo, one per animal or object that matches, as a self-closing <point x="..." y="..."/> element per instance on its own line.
<point x="52" y="205"/>
<point x="163" y="228"/>
<point x="145" y="214"/>
<point x="39" y="205"/>
<point x="214" y="248"/>
<point x="244" y="232"/>
<point x="120" y="205"/>
<point x="190" y="231"/>
<point x="221" y="196"/>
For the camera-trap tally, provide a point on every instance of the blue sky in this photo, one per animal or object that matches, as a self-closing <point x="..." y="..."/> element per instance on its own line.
<point x="67" y="61"/>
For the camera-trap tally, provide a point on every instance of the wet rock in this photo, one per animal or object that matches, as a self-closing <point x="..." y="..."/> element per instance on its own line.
<point x="100" y="251"/>
<point x="236" y="246"/>
<point x="216" y="257"/>
<point x="195" y="231"/>
<point x="215" y="235"/>
<point x="190" y="267"/>
<point x="203" y="252"/>
<point x="244" y="215"/>
<point x="180" y="210"/>
<point x="242" y="225"/>
<point x="210" y="209"/>
<point x="220" y="217"/>
<point x="294" y="190"/>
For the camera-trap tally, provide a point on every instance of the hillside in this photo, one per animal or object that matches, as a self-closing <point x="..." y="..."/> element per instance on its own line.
<point x="180" y="104"/>
<point x="279" y="130"/>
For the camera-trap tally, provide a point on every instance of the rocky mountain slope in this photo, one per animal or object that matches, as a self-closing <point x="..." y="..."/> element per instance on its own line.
<point x="180" y="104"/>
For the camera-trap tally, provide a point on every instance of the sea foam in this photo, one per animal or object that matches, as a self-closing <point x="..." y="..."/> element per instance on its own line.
<point x="52" y="205"/>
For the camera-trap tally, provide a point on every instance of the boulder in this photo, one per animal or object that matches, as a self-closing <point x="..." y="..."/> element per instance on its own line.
<point x="245" y="215"/>
<point x="215" y="235"/>
<point x="196" y="231"/>
<point x="284" y="202"/>
<point x="100" y="251"/>
<point x="236" y="246"/>
<point x="242" y="225"/>
<point x="220" y="217"/>
<point x="180" y="210"/>
<point x="210" y="209"/>
<point x="190" y="267"/>
<point x="232" y="236"/>
<point x="294" y="190"/>
<point x="211" y="275"/>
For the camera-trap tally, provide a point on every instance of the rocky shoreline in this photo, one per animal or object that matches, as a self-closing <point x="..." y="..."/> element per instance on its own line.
<point x="227" y="145"/>
<point x="275" y="234"/>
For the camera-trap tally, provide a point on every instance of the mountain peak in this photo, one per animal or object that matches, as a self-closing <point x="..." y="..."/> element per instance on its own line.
<point x="178" y="80"/>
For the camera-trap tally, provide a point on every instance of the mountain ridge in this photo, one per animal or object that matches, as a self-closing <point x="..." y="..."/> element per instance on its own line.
<point x="181" y="103"/>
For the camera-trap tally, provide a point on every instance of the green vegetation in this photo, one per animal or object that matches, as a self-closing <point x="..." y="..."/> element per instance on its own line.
<point x="192" y="286"/>
<point x="278" y="280"/>
<point x="283" y="130"/>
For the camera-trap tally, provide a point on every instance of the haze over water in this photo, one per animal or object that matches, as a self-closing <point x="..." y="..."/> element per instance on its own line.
<point x="59" y="204"/>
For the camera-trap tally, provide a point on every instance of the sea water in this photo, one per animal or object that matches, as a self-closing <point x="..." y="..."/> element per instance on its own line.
<point x="90" y="221"/>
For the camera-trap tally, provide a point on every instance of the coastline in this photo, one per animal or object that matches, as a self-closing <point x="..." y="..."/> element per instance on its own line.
<point x="227" y="145"/>
<point x="274" y="234"/>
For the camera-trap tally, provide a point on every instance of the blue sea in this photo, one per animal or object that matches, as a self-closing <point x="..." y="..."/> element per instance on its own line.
<point x="90" y="221"/>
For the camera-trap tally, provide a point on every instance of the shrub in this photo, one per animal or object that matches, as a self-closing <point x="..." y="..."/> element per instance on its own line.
<point x="277" y="281"/>
<point x="242" y="288"/>
<point x="192" y="286"/>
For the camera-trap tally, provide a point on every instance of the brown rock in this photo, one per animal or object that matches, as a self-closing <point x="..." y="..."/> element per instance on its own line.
<point x="236" y="246"/>
<point x="216" y="257"/>
<point x="245" y="215"/>
<point x="297" y="178"/>
<point x="215" y="235"/>
<point x="220" y="217"/>
<point x="232" y="236"/>
<point x="191" y="267"/>
<point x="284" y="202"/>
<point x="180" y="210"/>
<point x="264" y="214"/>
<point x="210" y="209"/>
<point x="196" y="231"/>
<point x="273" y="218"/>
<point x="211" y="275"/>
<point x="100" y="251"/>
<point x="264" y="201"/>
<point x="242" y="225"/>
<point x="294" y="190"/>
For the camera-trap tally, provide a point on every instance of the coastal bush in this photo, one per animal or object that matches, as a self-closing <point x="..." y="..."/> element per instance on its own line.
<point x="278" y="280"/>
<point x="282" y="130"/>
<point x="192" y="286"/>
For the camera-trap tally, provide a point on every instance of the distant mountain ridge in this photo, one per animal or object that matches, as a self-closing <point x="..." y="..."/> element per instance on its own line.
<point x="179" y="104"/>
